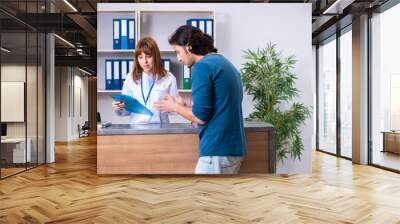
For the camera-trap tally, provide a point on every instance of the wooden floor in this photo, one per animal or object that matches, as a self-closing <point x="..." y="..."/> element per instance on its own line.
<point x="69" y="191"/>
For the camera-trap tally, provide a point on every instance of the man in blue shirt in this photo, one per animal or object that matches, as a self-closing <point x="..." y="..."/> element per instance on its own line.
<point x="217" y="95"/>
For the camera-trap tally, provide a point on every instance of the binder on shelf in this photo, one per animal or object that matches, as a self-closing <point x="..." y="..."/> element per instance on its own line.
<point x="108" y="75"/>
<point x="205" y="25"/>
<point x="186" y="79"/>
<point x="130" y="66"/>
<point x="194" y="22"/>
<point x="202" y="25"/>
<point x="116" y="84"/>
<point x="124" y="34"/>
<point x="116" y="34"/>
<point x="210" y="27"/>
<point x="131" y="36"/>
<point x="124" y="71"/>
<point x="167" y="64"/>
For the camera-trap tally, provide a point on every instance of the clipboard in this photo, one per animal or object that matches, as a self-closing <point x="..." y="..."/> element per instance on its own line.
<point x="132" y="105"/>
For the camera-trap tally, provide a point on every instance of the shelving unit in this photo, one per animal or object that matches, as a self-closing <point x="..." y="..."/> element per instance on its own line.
<point x="185" y="90"/>
<point x="148" y="23"/>
<point x="131" y="51"/>
<point x="115" y="51"/>
<point x="108" y="91"/>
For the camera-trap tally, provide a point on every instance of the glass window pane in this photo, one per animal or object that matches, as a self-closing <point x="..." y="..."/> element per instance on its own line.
<point x="41" y="98"/>
<point x="31" y="97"/>
<point x="385" y="83"/>
<point x="13" y="87"/>
<point x="346" y="94"/>
<point x="327" y="96"/>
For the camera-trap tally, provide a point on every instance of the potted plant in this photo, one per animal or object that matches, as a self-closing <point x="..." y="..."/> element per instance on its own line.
<point x="268" y="77"/>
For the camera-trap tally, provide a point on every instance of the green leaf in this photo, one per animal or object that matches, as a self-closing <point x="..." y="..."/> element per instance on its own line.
<point x="269" y="78"/>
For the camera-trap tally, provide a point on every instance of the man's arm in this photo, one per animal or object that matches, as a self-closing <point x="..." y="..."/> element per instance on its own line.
<point x="186" y="112"/>
<point x="170" y="105"/>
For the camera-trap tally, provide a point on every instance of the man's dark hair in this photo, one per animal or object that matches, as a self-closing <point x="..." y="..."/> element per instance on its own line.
<point x="200" y="42"/>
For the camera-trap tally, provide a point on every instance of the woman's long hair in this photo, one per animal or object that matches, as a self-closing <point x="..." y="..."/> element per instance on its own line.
<point x="148" y="46"/>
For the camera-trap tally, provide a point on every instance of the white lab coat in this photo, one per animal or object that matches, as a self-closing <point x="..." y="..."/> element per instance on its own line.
<point x="163" y="86"/>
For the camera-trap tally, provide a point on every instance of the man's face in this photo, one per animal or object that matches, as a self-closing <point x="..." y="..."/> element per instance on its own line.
<point x="184" y="55"/>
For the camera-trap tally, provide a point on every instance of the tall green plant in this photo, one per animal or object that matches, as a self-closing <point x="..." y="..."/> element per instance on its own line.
<point x="267" y="76"/>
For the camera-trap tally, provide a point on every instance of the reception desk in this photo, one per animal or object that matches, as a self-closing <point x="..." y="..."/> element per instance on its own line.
<point x="173" y="149"/>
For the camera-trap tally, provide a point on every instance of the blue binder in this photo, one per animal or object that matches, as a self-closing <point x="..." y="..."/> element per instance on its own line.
<point x="124" y="34"/>
<point x="131" y="34"/>
<point x="205" y="25"/>
<point x="108" y="74"/>
<point x="193" y="22"/>
<point x="116" y="34"/>
<point x="130" y="66"/>
<point x="116" y="75"/>
<point x="209" y="27"/>
<point x="202" y="25"/>
<point x="124" y="71"/>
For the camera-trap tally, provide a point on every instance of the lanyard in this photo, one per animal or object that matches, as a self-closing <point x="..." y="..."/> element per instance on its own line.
<point x="148" y="94"/>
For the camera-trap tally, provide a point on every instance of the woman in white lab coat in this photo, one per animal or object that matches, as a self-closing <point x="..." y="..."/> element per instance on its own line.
<point x="148" y="83"/>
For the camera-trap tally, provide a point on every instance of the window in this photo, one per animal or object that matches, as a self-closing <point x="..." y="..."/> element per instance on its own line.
<point x="346" y="75"/>
<point x="385" y="89"/>
<point x="327" y="96"/>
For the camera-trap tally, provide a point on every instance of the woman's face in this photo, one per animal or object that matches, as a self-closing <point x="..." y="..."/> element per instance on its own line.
<point x="146" y="62"/>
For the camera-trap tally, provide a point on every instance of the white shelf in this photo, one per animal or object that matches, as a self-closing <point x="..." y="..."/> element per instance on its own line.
<point x="108" y="91"/>
<point x="116" y="51"/>
<point x="131" y="51"/>
<point x="118" y="91"/>
<point x="167" y="50"/>
<point x="184" y="90"/>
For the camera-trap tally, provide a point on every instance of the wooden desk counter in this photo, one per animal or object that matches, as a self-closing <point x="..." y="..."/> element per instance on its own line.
<point x="173" y="149"/>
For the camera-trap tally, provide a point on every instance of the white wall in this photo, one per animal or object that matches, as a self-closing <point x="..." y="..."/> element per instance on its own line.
<point x="241" y="26"/>
<point x="70" y="83"/>
<point x="61" y="103"/>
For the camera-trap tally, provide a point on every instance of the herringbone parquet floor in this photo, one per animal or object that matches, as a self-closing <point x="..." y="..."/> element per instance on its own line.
<point x="69" y="191"/>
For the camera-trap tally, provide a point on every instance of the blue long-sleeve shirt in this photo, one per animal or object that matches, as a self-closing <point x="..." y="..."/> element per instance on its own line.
<point x="217" y="95"/>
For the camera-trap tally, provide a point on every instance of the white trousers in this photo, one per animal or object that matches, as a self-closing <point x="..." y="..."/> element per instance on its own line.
<point x="218" y="165"/>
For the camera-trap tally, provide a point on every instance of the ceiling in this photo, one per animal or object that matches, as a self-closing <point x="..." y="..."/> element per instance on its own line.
<point x="76" y="22"/>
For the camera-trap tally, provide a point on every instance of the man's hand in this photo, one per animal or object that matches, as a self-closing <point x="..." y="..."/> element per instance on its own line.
<point x="168" y="104"/>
